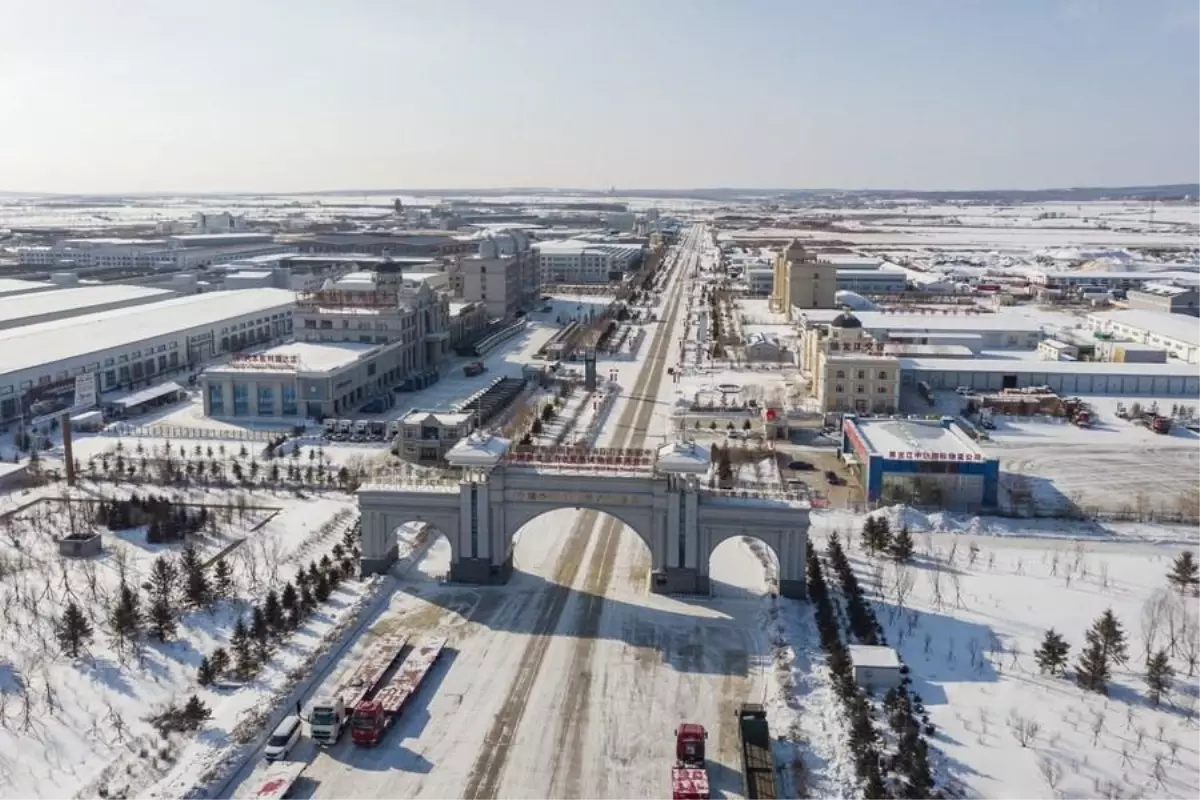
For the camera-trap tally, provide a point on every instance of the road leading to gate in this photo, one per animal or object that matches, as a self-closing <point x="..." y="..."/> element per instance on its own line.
<point x="488" y="769"/>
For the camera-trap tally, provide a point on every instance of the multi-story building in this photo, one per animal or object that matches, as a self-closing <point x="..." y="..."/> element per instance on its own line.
<point x="802" y="281"/>
<point x="847" y="369"/>
<point x="573" y="261"/>
<point x="352" y="345"/>
<point x="431" y="244"/>
<point x="1175" y="333"/>
<point x="185" y="251"/>
<point x="501" y="275"/>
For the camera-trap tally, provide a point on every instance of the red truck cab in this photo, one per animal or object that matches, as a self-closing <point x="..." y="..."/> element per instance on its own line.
<point x="367" y="724"/>
<point x="689" y="776"/>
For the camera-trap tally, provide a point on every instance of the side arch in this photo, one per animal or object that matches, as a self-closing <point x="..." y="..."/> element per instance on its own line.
<point x="788" y="544"/>
<point x="380" y="546"/>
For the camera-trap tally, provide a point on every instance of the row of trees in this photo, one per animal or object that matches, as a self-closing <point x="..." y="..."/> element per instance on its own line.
<point x="280" y="613"/>
<point x="167" y="521"/>
<point x="908" y="767"/>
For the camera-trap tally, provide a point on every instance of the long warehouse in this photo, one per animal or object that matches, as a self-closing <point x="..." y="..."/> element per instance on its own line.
<point x="31" y="309"/>
<point x="1172" y="379"/>
<point x="133" y="346"/>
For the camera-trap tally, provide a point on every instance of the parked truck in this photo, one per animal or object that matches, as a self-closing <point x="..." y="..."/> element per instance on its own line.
<point x="328" y="714"/>
<point x="271" y="782"/>
<point x="689" y="775"/>
<point x="374" y="715"/>
<point x="474" y="368"/>
<point x="758" y="765"/>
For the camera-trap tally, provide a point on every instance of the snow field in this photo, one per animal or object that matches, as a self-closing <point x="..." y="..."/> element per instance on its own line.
<point x="87" y="729"/>
<point x="966" y="616"/>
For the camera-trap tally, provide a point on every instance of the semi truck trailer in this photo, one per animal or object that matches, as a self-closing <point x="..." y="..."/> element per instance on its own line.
<point x="374" y="715"/>
<point x="327" y="715"/>
<point x="689" y="775"/>
<point x="758" y="765"/>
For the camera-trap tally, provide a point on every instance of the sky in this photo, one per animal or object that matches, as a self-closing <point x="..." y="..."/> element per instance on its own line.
<point x="303" y="95"/>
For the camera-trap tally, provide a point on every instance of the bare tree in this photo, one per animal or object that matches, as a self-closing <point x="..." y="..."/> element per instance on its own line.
<point x="1153" y="612"/>
<point x="1052" y="773"/>
<point x="1097" y="727"/>
<point x="903" y="581"/>
<point x="1024" y="729"/>
<point x="1189" y="641"/>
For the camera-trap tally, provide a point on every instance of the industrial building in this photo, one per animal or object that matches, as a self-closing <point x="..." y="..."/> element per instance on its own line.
<point x="920" y="462"/>
<point x="30" y="309"/>
<point x="1178" y="334"/>
<point x="1064" y="377"/>
<point x="186" y="251"/>
<point x="429" y="244"/>
<point x="1165" y="298"/>
<point x="134" y="346"/>
<point x="979" y="330"/>
<point x="575" y="261"/>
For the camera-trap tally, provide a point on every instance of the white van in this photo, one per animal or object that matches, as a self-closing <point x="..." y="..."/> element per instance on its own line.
<point x="283" y="738"/>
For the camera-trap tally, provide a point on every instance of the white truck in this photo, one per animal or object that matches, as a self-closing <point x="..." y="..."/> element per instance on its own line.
<point x="361" y="431"/>
<point x="326" y="717"/>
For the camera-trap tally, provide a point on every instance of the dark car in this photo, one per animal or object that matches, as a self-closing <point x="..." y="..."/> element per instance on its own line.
<point x="802" y="466"/>
<point x="833" y="478"/>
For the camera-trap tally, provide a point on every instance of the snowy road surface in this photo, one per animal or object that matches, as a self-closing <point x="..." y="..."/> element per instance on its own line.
<point x="570" y="680"/>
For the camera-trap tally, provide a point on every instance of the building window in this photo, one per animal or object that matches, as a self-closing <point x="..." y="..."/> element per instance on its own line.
<point x="841" y="373"/>
<point x="241" y="400"/>
<point x="310" y="323"/>
<point x="861" y="373"/>
<point x="287" y="394"/>
<point x="838" y="388"/>
<point x="883" y="390"/>
<point x="860" y="389"/>
<point x="266" y="401"/>
<point x="216" y="399"/>
<point x="882" y="375"/>
<point x="110" y="378"/>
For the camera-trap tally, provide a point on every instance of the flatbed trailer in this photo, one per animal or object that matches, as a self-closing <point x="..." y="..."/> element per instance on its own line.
<point x="272" y="782"/>
<point x="758" y="765"/>
<point x="372" y="718"/>
<point x="370" y="671"/>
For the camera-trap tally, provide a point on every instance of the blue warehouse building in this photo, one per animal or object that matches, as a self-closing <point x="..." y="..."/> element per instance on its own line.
<point x="920" y="462"/>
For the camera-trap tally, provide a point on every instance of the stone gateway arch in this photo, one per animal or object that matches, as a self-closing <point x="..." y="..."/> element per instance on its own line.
<point x="660" y="498"/>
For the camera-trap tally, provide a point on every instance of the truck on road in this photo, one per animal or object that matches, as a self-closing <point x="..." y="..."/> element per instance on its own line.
<point x="474" y="368"/>
<point x="689" y="775"/>
<point x="327" y="715"/>
<point x="758" y="765"/>
<point x="272" y="782"/>
<point x="375" y="714"/>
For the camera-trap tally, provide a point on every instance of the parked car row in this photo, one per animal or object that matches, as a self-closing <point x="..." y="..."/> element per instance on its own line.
<point x="361" y="430"/>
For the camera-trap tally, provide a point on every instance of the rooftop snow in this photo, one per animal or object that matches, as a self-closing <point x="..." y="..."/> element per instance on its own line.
<point x="1040" y="367"/>
<point x="1173" y="326"/>
<point x="882" y="320"/>
<point x="12" y="286"/>
<point x="885" y="436"/>
<point x="76" y="301"/>
<point x="44" y="344"/>
<point x="873" y="656"/>
<point x="310" y="357"/>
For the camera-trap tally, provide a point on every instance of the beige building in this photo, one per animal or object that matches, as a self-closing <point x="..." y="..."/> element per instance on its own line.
<point x="801" y="280"/>
<point x="847" y="369"/>
<point x="502" y="275"/>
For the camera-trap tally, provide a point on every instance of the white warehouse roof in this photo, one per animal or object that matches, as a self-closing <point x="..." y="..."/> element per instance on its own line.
<point x="14" y="286"/>
<point x="46" y="343"/>
<point x="75" y="300"/>
<point x="1013" y="366"/>
<point x="1173" y="326"/>
<point x="882" y="320"/>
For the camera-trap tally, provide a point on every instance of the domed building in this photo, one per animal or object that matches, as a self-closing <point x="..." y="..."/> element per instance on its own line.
<point x="847" y="368"/>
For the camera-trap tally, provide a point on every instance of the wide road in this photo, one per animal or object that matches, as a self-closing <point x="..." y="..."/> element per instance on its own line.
<point x="569" y="681"/>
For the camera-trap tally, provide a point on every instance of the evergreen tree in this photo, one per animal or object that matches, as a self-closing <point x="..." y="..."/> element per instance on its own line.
<point x="1112" y="637"/>
<point x="289" y="598"/>
<point x="901" y="547"/>
<point x="125" y="618"/>
<point x="1158" y="676"/>
<point x="196" y="586"/>
<point x="205" y="675"/>
<point x="1051" y="655"/>
<point x="243" y="652"/>
<point x="162" y="610"/>
<point x="1184" y="574"/>
<point x="883" y="533"/>
<point x="307" y="601"/>
<point x="260" y="632"/>
<point x="73" y="630"/>
<point x="273" y="613"/>
<point x="725" y="466"/>
<point x="220" y="662"/>
<point x="321" y="590"/>
<point x="295" y="616"/>
<point x="1092" y="670"/>
<point x="196" y="712"/>
<point x="223" y="583"/>
<point x="870" y="535"/>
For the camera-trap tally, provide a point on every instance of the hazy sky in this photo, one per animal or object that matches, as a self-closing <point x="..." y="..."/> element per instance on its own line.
<point x="293" y="95"/>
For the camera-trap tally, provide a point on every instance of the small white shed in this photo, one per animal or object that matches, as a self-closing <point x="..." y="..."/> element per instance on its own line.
<point x="875" y="667"/>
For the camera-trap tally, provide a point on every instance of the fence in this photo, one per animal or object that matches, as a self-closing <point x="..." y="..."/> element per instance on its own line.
<point x="119" y="429"/>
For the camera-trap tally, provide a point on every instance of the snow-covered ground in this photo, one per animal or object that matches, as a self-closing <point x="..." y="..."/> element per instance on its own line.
<point x="975" y="609"/>
<point x="86" y="728"/>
